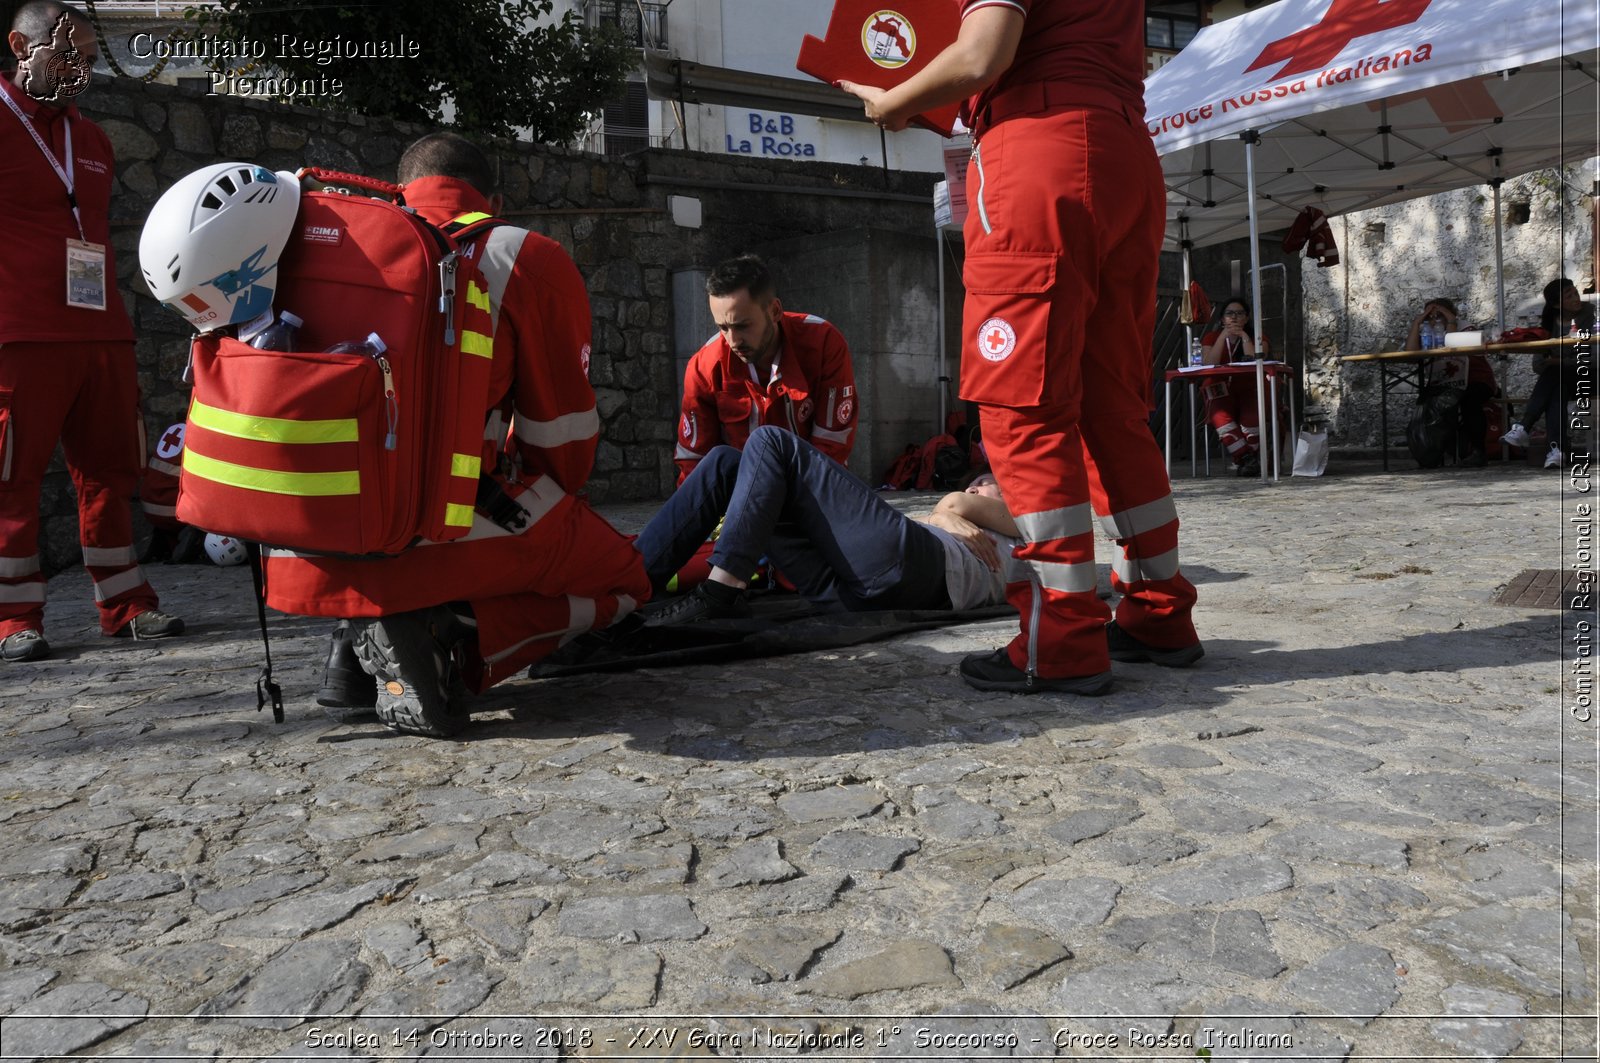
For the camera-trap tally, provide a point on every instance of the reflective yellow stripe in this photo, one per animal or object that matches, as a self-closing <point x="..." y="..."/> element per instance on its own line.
<point x="465" y="465"/>
<point x="477" y="297"/>
<point x="477" y="343"/>
<point x="272" y="429"/>
<point x="457" y="516"/>
<point x="468" y="219"/>
<point x="305" y="484"/>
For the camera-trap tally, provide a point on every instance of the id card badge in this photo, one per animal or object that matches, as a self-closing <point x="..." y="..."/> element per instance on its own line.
<point x="86" y="275"/>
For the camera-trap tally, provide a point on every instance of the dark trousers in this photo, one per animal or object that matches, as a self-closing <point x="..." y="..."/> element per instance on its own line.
<point x="1549" y="400"/>
<point x="826" y="531"/>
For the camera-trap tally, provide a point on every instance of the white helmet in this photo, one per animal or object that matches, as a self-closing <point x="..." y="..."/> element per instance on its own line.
<point x="225" y="549"/>
<point x="211" y="244"/>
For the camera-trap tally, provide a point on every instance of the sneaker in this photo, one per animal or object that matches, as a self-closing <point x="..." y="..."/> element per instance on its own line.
<point x="1124" y="647"/>
<point x="1517" y="437"/>
<point x="994" y="671"/>
<point x="1552" y="460"/>
<point x="150" y="624"/>
<point x="410" y="654"/>
<point x="700" y="604"/>
<point x="344" y="684"/>
<point x="25" y="645"/>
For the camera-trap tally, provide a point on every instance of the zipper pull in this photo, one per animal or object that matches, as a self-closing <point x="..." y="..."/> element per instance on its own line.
<point x="390" y="441"/>
<point x="447" y="296"/>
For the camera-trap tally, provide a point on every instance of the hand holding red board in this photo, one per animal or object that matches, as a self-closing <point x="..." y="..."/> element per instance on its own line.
<point x="876" y="45"/>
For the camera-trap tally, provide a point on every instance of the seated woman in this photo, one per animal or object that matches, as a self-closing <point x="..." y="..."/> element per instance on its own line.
<point x="1472" y="374"/>
<point x="1564" y="309"/>
<point x="1231" y="404"/>
<point x="829" y="533"/>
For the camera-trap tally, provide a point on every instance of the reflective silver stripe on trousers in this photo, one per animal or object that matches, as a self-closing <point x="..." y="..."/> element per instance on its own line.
<point x="683" y="453"/>
<point x="1056" y="523"/>
<point x="1134" y="569"/>
<point x="164" y="466"/>
<point x="159" y="511"/>
<point x="1140" y="519"/>
<point x="17" y="567"/>
<point x="1068" y="579"/>
<point x="121" y="583"/>
<point x="494" y="429"/>
<point x="22" y="592"/>
<point x="108" y="555"/>
<point x="581" y="613"/>
<point x="568" y="428"/>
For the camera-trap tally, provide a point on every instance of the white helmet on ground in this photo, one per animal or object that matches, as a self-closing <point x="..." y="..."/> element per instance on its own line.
<point x="225" y="549"/>
<point x="211" y="244"/>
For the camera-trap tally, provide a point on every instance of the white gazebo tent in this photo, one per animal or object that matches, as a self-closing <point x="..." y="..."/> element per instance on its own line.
<point x="1347" y="104"/>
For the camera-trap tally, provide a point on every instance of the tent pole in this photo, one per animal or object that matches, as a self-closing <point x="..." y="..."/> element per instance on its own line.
<point x="1499" y="259"/>
<point x="1251" y="138"/>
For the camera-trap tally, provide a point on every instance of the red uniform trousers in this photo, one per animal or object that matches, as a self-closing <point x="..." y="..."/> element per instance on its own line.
<point x="1063" y="239"/>
<point x="566" y="573"/>
<point x="1232" y="411"/>
<point x="87" y="396"/>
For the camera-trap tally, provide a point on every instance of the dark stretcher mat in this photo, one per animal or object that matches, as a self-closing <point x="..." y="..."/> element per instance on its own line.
<point x="779" y="624"/>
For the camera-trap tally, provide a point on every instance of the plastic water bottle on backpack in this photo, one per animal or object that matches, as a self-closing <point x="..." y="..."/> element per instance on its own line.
<point x="280" y="335"/>
<point x="374" y="347"/>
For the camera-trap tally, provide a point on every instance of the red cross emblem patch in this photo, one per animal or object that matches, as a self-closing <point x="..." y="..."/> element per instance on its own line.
<point x="996" y="339"/>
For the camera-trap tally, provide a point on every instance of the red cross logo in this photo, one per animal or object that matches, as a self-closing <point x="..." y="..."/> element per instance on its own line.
<point x="1315" y="46"/>
<point x="171" y="442"/>
<point x="996" y="339"/>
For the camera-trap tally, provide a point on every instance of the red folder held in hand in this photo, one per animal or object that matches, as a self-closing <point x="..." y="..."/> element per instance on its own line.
<point x="871" y="44"/>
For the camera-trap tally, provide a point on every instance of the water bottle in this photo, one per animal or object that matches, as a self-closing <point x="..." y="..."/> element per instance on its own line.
<point x="374" y="347"/>
<point x="1197" y="352"/>
<point x="280" y="335"/>
<point x="1426" y="334"/>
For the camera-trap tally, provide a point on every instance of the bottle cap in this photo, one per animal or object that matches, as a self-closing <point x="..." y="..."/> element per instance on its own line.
<point x="291" y="320"/>
<point x="376" y="343"/>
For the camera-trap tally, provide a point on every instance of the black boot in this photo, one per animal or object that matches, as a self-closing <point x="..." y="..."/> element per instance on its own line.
<point x="344" y="684"/>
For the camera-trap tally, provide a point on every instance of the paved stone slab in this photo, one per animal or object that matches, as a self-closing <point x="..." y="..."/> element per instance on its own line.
<point x="856" y="850"/>
<point x="1483" y="1023"/>
<point x="570" y="834"/>
<point x="192" y="965"/>
<point x="1234" y="941"/>
<point x="307" y="912"/>
<point x="666" y="865"/>
<point x="1091" y="823"/>
<point x="1356" y="981"/>
<point x="1522" y="944"/>
<point x="1006" y="956"/>
<point x="653" y="917"/>
<point x="400" y="943"/>
<point x="21" y="984"/>
<point x="263" y="888"/>
<point x="445" y="988"/>
<point x="1351" y="905"/>
<point x="1115" y="998"/>
<point x="1288" y="754"/>
<point x="24" y="901"/>
<point x="607" y="978"/>
<point x="812" y="893"/>
<point x="69" y="1019"/>
<point x="903" y="965"/>
<point x="134" y="886"/>
<point x="1313" y="843"/>
<point x="305" y="980"/>
<point x="505" y="925"/>
<point x="1171" y="755"/>
<point x="1151" y="848"/>
<point x="774" y="954"/>
<point x="944" y="813"/>
<point x="1228" y="878"/>
<point x="759" y="861"/>
<point x="422" y="844"/>
<point x="833" y="803"/>
<point x="1459" y="798"/>
<point x="61" y="858"/>
<point x="1211" y="816"/>
<point x="489" y="875"/>
<point x="1060" y="905"/>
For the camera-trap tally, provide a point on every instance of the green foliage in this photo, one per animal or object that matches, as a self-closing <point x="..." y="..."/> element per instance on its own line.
<point x="506" y="65"/>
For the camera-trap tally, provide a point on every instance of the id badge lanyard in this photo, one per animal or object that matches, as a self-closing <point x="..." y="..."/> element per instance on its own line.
<point x="65" y="174"/>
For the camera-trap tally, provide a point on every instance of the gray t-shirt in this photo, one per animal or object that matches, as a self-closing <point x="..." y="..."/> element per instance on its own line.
<point x="969" y="582"/>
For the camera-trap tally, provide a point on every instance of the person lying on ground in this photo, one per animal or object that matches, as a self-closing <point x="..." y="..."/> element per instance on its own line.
<point x="827" y="532"/>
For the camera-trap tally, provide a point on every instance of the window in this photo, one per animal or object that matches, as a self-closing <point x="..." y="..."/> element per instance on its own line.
<point x="1171" y="24"/>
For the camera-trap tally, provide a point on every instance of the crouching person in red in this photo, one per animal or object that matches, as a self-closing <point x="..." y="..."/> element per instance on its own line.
<point x="538" y="566"/>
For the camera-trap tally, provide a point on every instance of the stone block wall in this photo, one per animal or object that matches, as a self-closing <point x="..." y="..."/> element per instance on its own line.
<point x="611" y="214"/>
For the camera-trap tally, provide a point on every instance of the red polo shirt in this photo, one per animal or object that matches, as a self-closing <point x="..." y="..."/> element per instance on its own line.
<point x="38" y="224"/>
<point x="1095" y="46"/>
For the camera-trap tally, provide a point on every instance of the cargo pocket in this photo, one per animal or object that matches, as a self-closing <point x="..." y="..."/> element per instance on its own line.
<point x="8" y="431"/>
<point x="1007" y="321"/>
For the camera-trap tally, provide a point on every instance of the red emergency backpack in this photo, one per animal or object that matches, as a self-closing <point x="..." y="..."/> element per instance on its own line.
<point x="348" y="453"/>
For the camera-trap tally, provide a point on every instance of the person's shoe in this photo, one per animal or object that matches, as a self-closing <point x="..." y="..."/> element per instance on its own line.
<point x="1124" y="647"/>
<point x="150" y="624"/>
<point x="702" y="603"/>
<point x="994" y="671"/>
<point x="1475" y="460"/>
<point x="1250" y="466"/>
<point x="1517" y="437"/>
<point x="25" y="645"/>
<point x="1552" y="460"/>
<point x="410" y="654"/>
<point x="344" y="684"/>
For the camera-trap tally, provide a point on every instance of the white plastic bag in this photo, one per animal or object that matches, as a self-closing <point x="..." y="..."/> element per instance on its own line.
<point x="1311" y="453"/>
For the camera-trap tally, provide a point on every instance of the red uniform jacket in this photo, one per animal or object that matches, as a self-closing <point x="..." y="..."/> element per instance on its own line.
<point x="812" y="394"/>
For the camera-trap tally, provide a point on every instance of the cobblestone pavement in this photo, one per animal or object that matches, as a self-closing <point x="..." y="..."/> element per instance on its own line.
<point x="1363" y="826"/>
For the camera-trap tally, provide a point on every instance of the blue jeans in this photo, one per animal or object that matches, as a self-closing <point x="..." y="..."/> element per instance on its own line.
<point x="826" y="531"/>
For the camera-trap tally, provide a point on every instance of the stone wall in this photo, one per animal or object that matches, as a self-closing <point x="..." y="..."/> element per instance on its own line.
<point x="612" y="214"/>
<point x="1393" y="259"/>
